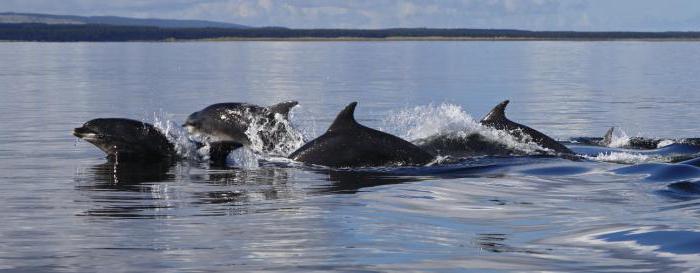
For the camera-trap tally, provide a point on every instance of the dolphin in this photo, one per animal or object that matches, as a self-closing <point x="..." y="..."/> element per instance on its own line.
<point x="605" y="141"/>
<point x="126" y="139"/>
<point x="638" y="143"/>
<point x="632" y="143"/>
<point x="132" y="140"/>
<point x="230" y="122"/>
<point x="646" y="143"/>
<point x="347" y="143"/>
<point x="497" y="119"/>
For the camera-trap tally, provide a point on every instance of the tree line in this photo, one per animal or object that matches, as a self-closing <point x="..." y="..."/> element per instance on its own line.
<point x="100" y="33"/>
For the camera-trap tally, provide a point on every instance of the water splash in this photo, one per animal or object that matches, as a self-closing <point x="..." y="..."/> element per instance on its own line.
<point x="619" y="139"/>
<point x="438" y="160"/>
<point x="274" y="137"/>
<point x="428" y="120"/>
<point x="452" y="121"/>
<point x="664" y="143"/>
<point x="183" y="142"/>
<point x="622" y="157"/>
<point x="307" y="127"/>
<point x="269" y="138"/>
<point x="243" y="157"/>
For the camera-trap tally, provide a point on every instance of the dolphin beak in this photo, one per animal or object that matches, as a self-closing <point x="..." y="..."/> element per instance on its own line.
<point x="79" y="132"/>
<point x="189" y="127"/>
<point x="85" y="133"/>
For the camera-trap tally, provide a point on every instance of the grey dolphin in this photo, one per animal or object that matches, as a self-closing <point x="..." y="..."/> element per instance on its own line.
<point x="639" y="143"/>
<point x="126" y="139"/>
<point x="645" y="143"/>
<point x="605" y="141"/>
<point x="132" y="140"/>
<point x="230" y="121"/>
<point x="347" y="143"/>
<point x="497" y="119"/>
<point x="633" y="142"/>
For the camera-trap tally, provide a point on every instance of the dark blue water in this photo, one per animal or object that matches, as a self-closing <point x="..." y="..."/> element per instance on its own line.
<point x="65" y="209"/>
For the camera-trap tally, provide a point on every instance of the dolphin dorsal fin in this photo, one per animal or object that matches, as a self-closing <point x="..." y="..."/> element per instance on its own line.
<point x="283" y="108"/>
<point x="498" y="113"/>
<point x="345" y="119"/>
<point x="607" y="138"/>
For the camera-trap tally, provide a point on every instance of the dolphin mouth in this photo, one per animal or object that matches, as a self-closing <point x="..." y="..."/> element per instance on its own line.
<point x="86" y="134"/>
<point x="190" y="128"/>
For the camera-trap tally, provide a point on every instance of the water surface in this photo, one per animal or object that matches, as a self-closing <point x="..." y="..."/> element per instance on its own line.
<point x="64" y="209"/>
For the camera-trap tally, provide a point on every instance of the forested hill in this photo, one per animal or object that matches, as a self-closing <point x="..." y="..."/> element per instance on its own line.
<point x="24" y="18"/>
<point x="101" y="32"/>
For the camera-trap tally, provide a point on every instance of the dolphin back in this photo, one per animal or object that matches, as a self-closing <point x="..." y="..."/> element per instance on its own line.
<point x="497" y="119"/>
<point x="497" y="116"/>
<point x="347" y="143"/>
<point x="283" y="108"/>
<point x="231" y="121"/>
<point x="607" y="138"/>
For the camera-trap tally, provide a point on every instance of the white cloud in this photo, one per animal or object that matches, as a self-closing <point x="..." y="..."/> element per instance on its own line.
<point x="521" y="14"/>
<point x="510" y="5"/>
<point x="265" y="4"/>
<point x="407" y="9"/>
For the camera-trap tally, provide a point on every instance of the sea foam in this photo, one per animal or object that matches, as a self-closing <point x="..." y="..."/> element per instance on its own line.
<point x="418" y="122"/>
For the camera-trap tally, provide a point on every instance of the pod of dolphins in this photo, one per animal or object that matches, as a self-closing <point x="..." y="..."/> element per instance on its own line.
<point x="346" y="144"/>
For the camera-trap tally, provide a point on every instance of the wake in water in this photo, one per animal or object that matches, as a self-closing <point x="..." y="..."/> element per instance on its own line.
<point x="449" y="127"/>
<point x="618" y="147"/>
<point x="453" y="128"/>
<point x="462" y="147"/>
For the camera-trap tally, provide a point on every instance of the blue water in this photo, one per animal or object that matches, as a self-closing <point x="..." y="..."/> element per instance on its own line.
<point x="65" y="209"/>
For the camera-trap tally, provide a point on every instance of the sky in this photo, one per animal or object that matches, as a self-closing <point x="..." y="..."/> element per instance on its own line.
<point x="593" y="15"/>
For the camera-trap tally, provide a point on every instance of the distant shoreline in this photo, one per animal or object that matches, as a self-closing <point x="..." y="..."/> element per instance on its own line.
<point x="387" y="39"/>
<point x="32" y="32"/>
<point x="427" y="39"/>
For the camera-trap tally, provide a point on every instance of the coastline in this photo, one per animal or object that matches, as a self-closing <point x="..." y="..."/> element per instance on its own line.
<point x="117" y="33"/>
<point x="386" y="39"/>
<point x="428" y="38"/>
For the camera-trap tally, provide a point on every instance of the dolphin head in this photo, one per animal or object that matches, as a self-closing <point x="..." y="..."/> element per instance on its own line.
<point x="222" y="122"/>
<point x="124" y="138"/>
<point x="102" y="133"/>
<point x="216" y="125"/>
<point x="193" y="123"/>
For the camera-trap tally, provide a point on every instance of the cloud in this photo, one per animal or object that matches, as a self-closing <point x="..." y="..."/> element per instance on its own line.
<point x="519" y="14"/>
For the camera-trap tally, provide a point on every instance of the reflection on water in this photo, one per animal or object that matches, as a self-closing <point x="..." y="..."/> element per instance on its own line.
<point x="111" y="180"/>
<point x="352" y="181"/>
<point x="139" y="189"/>
<point x="65" y="209"/>
<point x="496" y="242"/>
<point x="124" y="175"/>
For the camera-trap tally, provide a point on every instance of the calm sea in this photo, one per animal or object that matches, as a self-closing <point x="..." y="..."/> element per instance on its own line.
<point x="64" y="209"/>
